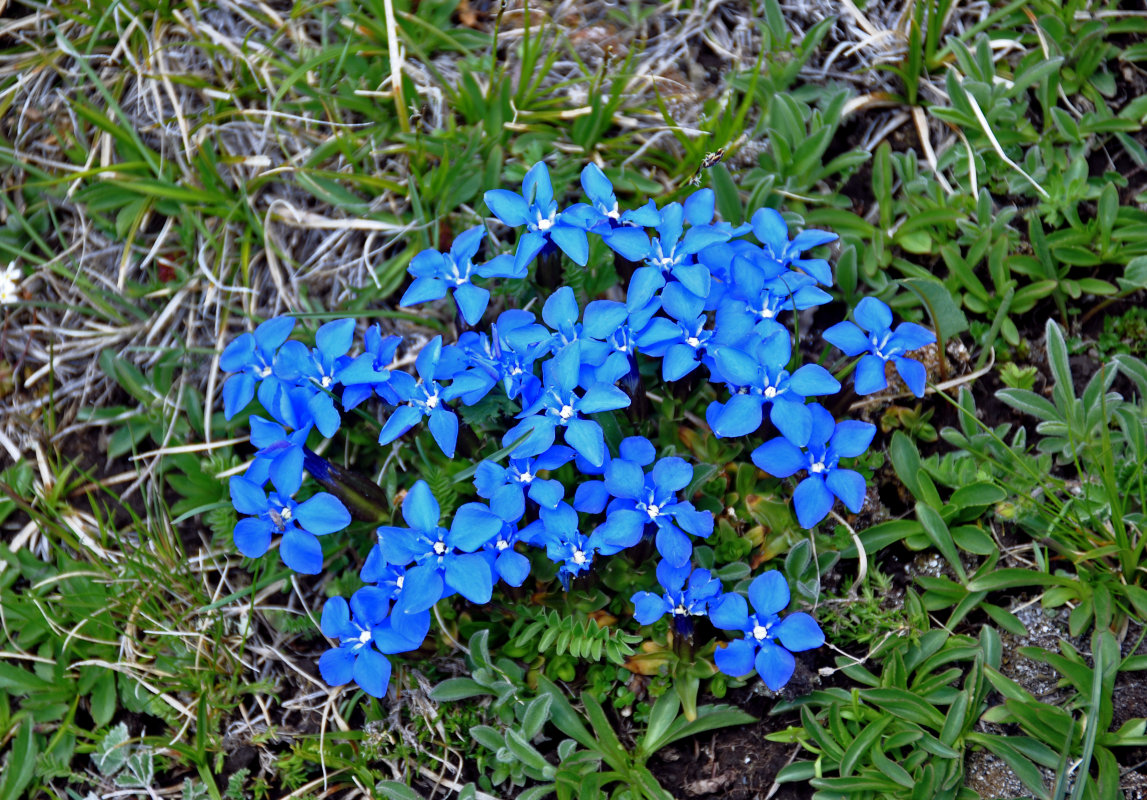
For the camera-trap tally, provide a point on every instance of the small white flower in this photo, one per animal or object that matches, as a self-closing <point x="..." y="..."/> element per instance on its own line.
<point x="9" y="284"/>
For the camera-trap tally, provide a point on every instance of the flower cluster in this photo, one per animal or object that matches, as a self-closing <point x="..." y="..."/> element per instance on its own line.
<point x="707" y="300"/>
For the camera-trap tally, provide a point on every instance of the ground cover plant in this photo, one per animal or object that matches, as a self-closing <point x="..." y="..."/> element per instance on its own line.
<point x="176" y="176"/>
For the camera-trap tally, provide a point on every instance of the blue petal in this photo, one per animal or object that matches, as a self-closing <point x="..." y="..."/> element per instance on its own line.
<point x="735" y="659"/>
<point x="336" y="617"/>
<point x="528" y="248"/>
<point x="474" y="525"/>
<point x="547" y="493"/>
<point x="561" y="310"/>
<point x="444" y="428"/>
<point x="596" y="186"/>
<point x="500" y="267"/>
<point x="642" y="286"/>
<point x="679" y="361"/>
<point x="271" y="334"/>
<point x="872" y="315"/>
<point x="851" y="438"/>
<point x="673" y="545"/>
<point x="337" y="666"/>
<point x="587" y="438"/>
<point x="793" y="420"/>
<point x="372" y="672"/>
<point x="672" y="474"/>
<point x="238" y="354"/>
<point x="848" y="338"/>
<point x="770" y="228"/>
<point x="812" y="501"/>
<point x="638" y="449"/>
<point x="469" y="575"/>
<point x="807" y="240"/>
<point x="301" y="552"/>
<point x="622" y="529"/>
<point x="775" y="665"/>
<point x="849" y="486"/>
<point x="324" y="413"/>
<point x="813" y="380"/>
<point x="572" y="241"/>
<point x="253" y="536"/>
<point x="510" y="208"/>
<point x="913" y="373"/>
<point x="694" y="277"/>
<point x="737" y="367"/>
<point x="698" y="523"/>
<point x="370" y="605"/>
<point x="909" y="336"/>
<point x="421" y="588"/>
<point x="472" y="301"/>
<point x="631" y="244"/>
<point x="741" y="416"/>
<point x="536" y="185"/>
<point x="870" y="375"/>
<point x="602" y="397"/>
<point x="237" y="393"/>
<point x="466" y="245"/>
<point x="799" y="632"/>
<point x="700" y="207"/>
<point x="286" y="471"/>
<point x="335" y="337"/>
<point x="247" y="496"/>
<point x="539" y="434"/>
<point x="649" y="607"/>
<point x="403" y="419"/>
<point x="769" y="593"/>
<point x="508" y="504"/>
<point x="730" y="613"/>
<point x="625" y="479"/>
<point x="426" y="365"/>
<point x="823" y="425"/>
<point x="419" y="508"/>
<point x="672" y="578"/>
<point x="321" y="514"/>
<point x="513" y="567"/>
<point x="603" y="317"/>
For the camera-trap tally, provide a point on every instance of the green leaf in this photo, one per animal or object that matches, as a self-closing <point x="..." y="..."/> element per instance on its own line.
<point x="21" y="763"/>
<point x="978" y="494"/>
<point x="525" y="752"/>
<point x="942" y="308"/>
<point x="103" y="699"/>
<point x="453" y="689"/>
<point x="940" y="536"/>
<point x="397" y="791"/>
<point x="862" y="743"/>
<point x="660" y="718"/>
<point x="905" y="705"/>
<point x="1012" y="577"/>
<point x="1029" y="403"/>
<point x="111" y="753"/>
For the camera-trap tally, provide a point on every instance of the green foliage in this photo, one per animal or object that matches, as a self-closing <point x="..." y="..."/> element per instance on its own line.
<point x="546" y="632"/>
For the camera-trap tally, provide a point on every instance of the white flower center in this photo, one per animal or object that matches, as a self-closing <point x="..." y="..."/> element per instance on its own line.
<point x="432" y="401"/>
<point x="767" y="313"/>
<point x="681" y="610"/>
<point x="760" y="632"/>
<point x="502" y="544"/>
<point x="525" y="477"/>
<point x="285" y="514"/>
<point x="579" y="557"/>
<point x="439" y="548"/>
<point x="693" y="342"/>
<point x="770" y="392"/>
<point x="265" y="372"/>
<point x="566" y="412"/>
<point x="544" y="224"/>
<point x="364" y="637"/>
<point x="654" y="511"/>
<point x="817" y="467"/>
<point x="326" y="381"/>
<point x="399" y="581"/>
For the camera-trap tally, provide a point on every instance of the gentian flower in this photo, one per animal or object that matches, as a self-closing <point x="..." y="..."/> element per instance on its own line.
<point x="299" y="523"/>
<point x="874" y="336"/>
<point x="427" y="398"/>
<point x="363" y="635"/>
<point x="683" y="603"/>
<point x="759" y="378"/>
<point x="508" y="353"/>
<point x="759" y="291"/>
<point x="769" y="641"/>
<point x="772" y="231"/>
<point x="434" y="273"/>
<point x="671" y="252"/>
<point x="522" y="474"/>
<point x="536" y="209"/>
<point x="507" y="506"/>
<point x="317" y="367"/>
<point x="560" y="407"/>
<point x="599" y="191"/>
<point x="251" y="356"/>
<point x="370" y="371"/>
<point x="651" y="499"/>
<point x="828" y="442"/>
<point x="444" y="560"/>
<point x="557" y="531"/>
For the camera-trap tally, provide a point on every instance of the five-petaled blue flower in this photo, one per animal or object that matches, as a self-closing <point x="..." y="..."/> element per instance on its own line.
<point x="828" y="442"/>
<point x="444" y="560"/>
<point x="683" y="603"/>
<point x="251" y="356"/>
<point x="874" y="336"/>
<point x="536" y="209"/>
<point x="299" y="523"/>
<point x="434" y="273"/>
<point x="769" y="641"/>
<point x="363" y="633"/>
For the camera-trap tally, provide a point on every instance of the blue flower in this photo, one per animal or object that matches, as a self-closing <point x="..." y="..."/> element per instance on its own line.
<point x="671" y="252"/>
<point x="252" y="356"/>
<point x="536" y="209"/>
<point x="434" y="273"/>
<point x="875" y="337"/>
<point x="772" y="231"/>
<point x="683" y="603"/>
<point x="317" y="368"/>
<point x="427" y="398"/>
<point x="758" y="291"/>
<point x="650" y="499"/>
<point x="508" y="353"/>
<point x="522" y="474"/>
<point x="828" y="442"/>
<point x="599" y="191"/>
<point x="281" y="443"/>
<point x="557" y="531"/>
<point x="444" y="560"/>
<point x="370" y="371"/>
<point x="299" y="523"/>
<point x="760" y="377"/>
<point x="560" y="407"/>
<point x="363" y="635"/>
<point x="507" y="507"/>
<point x="681" y="342"/>
<point x="769" y="641"/>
